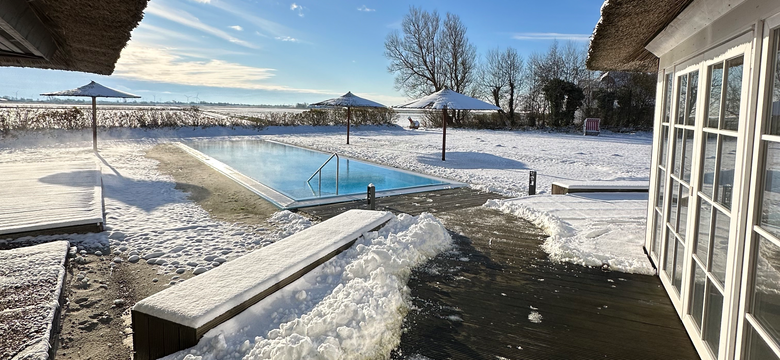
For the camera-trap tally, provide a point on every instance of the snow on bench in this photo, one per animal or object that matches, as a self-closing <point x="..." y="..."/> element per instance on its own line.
<point x="568" y="187"/>
<point x="175" y="318"/>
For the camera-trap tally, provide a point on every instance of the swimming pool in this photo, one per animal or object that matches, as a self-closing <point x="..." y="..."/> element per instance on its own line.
<point x="279" y="173"/>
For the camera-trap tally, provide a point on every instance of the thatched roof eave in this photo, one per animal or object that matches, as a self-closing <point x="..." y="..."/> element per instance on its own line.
<point x="88" y="35"/>
<point x="625" y="28"/>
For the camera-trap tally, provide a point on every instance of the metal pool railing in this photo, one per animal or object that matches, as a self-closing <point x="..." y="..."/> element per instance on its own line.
<point x="319" y="171"/>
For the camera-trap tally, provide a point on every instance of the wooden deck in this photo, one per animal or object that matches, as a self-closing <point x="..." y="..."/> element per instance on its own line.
<point x="478" y="302"/>
<point x="46" y="198"/>
<point x="413" y="204"/>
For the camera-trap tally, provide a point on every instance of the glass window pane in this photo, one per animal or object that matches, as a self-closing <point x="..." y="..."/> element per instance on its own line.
<point x="678" y="151"/>
<point x="708" y="168"/>
<point x="774" y="114"/>
<point x="693" y="89"/>
<point x="659" y="228"/>
<point x="766" y="292"/>
<point x="679" y="257"/>
<point x="681" y="96"/>
<point x="682" y="225"/>
<point x="703" y="236"/>
<point x="686" y="172"/>
<point x="673" y="204"/>
<point x="664" y="144"/>
<point x="669" y="256"/>
<point x="697" y="304"/>
<point x="659" y="202"/>
<point x="728" y="157"/>
<point x="770" y="200"/>
<point x="720" y="245"/>
<point x="668" y="98"/>
<point x="757" y="349"/>
<point x="733" y="94"/>
<point x="716" y="84"/>
<point x="712" y="318"/>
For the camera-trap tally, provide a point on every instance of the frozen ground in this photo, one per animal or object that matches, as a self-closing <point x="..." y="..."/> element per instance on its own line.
<point x="148" y="220"/>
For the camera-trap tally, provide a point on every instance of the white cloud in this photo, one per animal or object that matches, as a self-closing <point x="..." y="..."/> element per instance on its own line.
<point x="551" y="36"/>
<point x="202" y="1"/>
<point x="287" y="38"/>
<point x="164" y="65"/>
<point x="236" y="28"/>
<point x="187" y="19"/>
<point x="365" y="9"/>
<point x="297" y="7"/>
<point x="256" y="21"/>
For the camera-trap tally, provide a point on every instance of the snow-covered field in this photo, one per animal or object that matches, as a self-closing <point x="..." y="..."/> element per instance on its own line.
<point x="354" y="304"/>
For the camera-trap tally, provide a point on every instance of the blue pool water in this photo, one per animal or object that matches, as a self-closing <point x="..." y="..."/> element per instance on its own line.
<point x="286" y="168"/>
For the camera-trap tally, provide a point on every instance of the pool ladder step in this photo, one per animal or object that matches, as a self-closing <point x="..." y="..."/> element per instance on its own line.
<point x="319" y="171"/>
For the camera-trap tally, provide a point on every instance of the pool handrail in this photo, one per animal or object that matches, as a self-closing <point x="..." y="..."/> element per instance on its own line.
<point x="319" y="170"/>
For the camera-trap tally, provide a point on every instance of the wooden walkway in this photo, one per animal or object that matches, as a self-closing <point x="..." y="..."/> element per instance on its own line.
<point x="499" y="296"/>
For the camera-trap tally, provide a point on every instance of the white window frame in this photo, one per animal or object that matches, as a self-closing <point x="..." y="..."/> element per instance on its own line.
<point x="763" y="90"/>
<point x="741" y="44"/>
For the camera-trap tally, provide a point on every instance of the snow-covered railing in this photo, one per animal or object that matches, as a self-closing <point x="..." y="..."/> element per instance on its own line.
<point x="177" y="317"/>
<point x="568" y="187"/>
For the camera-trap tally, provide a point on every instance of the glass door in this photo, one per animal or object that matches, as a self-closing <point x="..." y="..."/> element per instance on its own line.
<point x="760" y="313"/>
<point x="718" y="166"/>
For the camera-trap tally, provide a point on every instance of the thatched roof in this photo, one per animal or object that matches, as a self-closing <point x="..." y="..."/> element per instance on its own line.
<point x="77" y="35"/>
<point x="349" y="100"/>
<point x="625" y="28"/>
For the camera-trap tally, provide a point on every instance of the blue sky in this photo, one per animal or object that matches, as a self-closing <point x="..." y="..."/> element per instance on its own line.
<point x="284" y="52"/>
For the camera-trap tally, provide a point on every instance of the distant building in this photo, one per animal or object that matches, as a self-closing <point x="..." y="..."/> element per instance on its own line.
<point x="714" y="210"/>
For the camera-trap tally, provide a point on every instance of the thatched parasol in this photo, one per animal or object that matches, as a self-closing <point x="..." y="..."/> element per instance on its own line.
<point x="349" y="101"/>
<point x="93" y="90"/>
<point x="447" y="99"/>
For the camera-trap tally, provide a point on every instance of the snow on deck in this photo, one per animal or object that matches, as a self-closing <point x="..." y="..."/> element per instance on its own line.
<point x="41" y="196"/>
<point x="201" y="299"/>
<point x="31" y="280"/>
<point x="590" y="229"/>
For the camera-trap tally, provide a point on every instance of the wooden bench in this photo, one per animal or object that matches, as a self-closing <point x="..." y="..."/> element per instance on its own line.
<point x="569" y="187"/>
<point x="177" y="317"/>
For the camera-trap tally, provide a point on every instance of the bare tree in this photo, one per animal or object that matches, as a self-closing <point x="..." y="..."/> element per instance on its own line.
<point x="492" y="78"/>
<point x="512" y="64"/>
<point x="429" y="54"/>
<point x="458" y="55"/>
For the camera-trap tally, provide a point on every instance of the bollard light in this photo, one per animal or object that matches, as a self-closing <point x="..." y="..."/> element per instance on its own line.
<point x="371" y="197"/>
<point x="532" y="182"/>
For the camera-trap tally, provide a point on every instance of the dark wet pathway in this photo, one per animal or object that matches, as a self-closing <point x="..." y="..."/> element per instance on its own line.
<point x="498" y="296"/>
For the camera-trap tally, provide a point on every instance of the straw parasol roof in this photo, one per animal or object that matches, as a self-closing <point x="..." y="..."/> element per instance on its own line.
<point x="447" y="99"/>
<point x="625" y="28"/>
<point x="77" y="35"/>
<point x="93" y="90"/>
<point x="349" y="100"/>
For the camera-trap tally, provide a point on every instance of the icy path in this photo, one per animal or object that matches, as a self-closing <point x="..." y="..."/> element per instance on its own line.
<point x="588" y="229"/>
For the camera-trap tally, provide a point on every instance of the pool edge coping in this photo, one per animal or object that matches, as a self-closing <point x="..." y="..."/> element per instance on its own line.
<point x="285" y="202"/>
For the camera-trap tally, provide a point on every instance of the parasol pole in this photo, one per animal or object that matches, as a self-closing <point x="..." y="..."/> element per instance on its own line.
<point x="444" y="131"/>
<point x="94" y="123"/>
<point x="348" y="115"/>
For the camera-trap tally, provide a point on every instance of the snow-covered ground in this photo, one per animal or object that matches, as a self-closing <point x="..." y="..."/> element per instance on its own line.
<point x="591" y="229"/>
<point x="354" y="304"/>
<point x="29" y="298"/>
